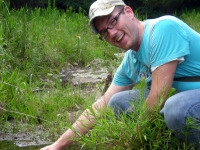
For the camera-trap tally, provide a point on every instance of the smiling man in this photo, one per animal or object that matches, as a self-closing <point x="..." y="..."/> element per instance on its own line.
<point x="165" y="52"/>
<point x="129" y="29"/>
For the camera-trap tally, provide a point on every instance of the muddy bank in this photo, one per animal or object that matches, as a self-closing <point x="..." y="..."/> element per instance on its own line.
<point x="23" y="135"/>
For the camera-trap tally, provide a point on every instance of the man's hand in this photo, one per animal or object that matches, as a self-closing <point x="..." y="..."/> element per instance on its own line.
<point x="53" y="146"/>
<point x="50" y="147"/>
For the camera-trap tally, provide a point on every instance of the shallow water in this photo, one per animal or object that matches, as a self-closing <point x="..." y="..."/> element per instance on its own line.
<point x="25" y="137"/>
<point x="9" y="145"/>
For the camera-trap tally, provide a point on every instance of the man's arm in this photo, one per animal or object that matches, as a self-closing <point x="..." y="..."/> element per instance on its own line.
<point x="86" y="120"/>
<point x="162" y="79"/>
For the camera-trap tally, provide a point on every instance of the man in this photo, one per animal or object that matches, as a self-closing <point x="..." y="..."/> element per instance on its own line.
<point x="163" y="51"/>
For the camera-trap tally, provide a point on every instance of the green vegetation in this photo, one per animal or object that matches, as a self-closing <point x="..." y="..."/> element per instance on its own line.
<point x="34" y="47"/>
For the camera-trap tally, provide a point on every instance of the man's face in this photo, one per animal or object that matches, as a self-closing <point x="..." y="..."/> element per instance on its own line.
<point x="125" y="33"/>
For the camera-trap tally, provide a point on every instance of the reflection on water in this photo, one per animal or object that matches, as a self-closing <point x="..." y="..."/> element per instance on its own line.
<point x="8" y="145"/>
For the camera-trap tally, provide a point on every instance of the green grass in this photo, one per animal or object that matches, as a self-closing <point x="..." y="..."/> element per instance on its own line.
<point x="34" y="47"/>
<point x="192" y="18"/>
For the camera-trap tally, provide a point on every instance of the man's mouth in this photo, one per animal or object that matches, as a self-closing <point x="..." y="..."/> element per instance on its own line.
<point x="120" y="37"/>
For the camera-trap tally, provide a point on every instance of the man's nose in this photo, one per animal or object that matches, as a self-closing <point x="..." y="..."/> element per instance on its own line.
<point x="111" y="32"/>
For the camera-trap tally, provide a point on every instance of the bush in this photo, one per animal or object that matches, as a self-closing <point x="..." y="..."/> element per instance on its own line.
<point x="151" y="8"/>
<point x="155" y="8"/>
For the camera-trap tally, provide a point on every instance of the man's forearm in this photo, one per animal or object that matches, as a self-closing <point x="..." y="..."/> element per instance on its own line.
<point x="84" y="123"/>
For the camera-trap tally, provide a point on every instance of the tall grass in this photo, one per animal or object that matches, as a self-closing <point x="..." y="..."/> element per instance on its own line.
<point x="129" y="133"/>
<point x="43" y="39"/>
<point x="34" y="46"/>
<point x="192" y="18"/>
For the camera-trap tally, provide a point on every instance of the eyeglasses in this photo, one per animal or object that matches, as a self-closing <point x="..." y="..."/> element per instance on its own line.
<point x="111" y="25"/>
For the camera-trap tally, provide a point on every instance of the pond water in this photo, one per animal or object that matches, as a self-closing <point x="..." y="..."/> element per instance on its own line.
<point x="9" y="145"/>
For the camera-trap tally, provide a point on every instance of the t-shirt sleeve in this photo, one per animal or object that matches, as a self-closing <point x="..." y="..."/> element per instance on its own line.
<point x="120" y="77"/>
<point x="126" y="72"/>
<point x="168" y="42"/>
<point x="131" y="71"/>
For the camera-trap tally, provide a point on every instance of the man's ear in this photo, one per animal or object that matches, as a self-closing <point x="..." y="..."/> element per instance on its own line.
<point x="128" y="10"/>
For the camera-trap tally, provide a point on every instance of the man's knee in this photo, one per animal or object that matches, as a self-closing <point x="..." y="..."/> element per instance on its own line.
<point x="113" y="101"/>
<point x="174" y="114"/>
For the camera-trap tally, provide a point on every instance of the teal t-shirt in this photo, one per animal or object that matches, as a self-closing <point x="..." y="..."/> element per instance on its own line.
<point x="164" y="39"/>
